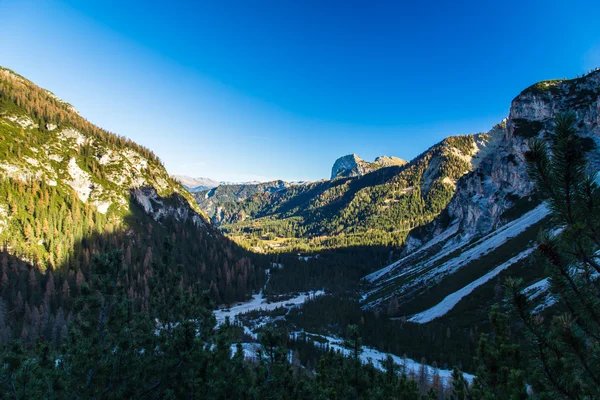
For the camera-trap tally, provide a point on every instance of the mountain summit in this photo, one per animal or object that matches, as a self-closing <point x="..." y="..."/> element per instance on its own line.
<point x="352" y="165"/>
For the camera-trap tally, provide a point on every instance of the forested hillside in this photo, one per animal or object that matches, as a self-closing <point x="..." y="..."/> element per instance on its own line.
<point x="378" y="208"/>
<point x="69" y="190"/>
<point x="217" y="202"/>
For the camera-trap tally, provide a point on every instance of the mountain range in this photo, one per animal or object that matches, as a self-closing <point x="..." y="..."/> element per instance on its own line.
<point x="377" y="203"/>
<point x="462" y="215"/>
<point x="413" y="255"/>
<point x="195" y="184"/>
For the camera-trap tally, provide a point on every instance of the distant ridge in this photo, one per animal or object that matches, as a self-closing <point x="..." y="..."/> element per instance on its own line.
<point x="196" y="184"/>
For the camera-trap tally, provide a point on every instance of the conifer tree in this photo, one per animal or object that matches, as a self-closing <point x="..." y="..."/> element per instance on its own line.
<point x="499" y="373"/>
<point x="567" y="350"/>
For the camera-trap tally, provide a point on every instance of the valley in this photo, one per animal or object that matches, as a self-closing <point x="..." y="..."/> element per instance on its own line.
<point x="443" y="232"/>
<point x="403" y="261"/>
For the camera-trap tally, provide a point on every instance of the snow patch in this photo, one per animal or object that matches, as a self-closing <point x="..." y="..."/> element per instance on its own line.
<point x="536" y="289"/>
<point x="370" y="354"/>
<point x="32" y="161"/>
<point x="259" y="302"/>
<point x="424" y="272"/>
<point x="3" y="217"/>
<point x="102" y="207"/>
<point x="452" y="299"/>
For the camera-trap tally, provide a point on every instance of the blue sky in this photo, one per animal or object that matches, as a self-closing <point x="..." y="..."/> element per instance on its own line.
<point x="261" y="90"/>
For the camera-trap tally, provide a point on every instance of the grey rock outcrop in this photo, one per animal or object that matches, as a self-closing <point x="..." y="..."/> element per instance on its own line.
<point x="483" y="195"/>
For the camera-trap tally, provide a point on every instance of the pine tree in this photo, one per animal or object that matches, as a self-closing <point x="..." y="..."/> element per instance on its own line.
<point x="499" y="373"/>
<point x="567" y="350"/>
<point x="460" y="386"/>
<point x="354" y="342"/>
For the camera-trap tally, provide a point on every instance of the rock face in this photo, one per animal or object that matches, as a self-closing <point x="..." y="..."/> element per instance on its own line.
<point x="352" y="165"/>
<point x="79" y="159"/>
<point x="386" y="161"/>
<point x="216" y="201"/>
<point x="483" y="195"/>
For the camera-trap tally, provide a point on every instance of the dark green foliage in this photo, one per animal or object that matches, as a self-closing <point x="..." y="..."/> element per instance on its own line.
<point x="460" y="386"/>
<point x="330" y="315"/>
<point x="335" y="271"/>
<point x="499" y="374"/>
<point x="60" y="235"/>
<point x="173" y="352"/>
<point x="567" y="349"/>
<point x="378" y="208"/>
<point x="526" y="128"/>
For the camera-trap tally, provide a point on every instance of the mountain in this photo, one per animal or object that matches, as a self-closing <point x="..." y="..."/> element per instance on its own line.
<point x="352" y="165"/>
<point x="195" y="184"/>
<point x="217" y="201"/>
<point x="456" y="222"/>
<point x="451" y="267"/>
<point x="70" y="190"/>
<point x="378" y="206"/>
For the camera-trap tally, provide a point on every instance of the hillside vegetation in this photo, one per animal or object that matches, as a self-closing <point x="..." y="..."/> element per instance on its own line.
<point x="378" y="208"/>
<point x="69" y="190"/>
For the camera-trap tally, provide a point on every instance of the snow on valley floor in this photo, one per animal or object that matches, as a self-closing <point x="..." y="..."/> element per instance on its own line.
<point x="368" y="354"/>
<point x="259" y="302"/>
<point x="377" y="357"/>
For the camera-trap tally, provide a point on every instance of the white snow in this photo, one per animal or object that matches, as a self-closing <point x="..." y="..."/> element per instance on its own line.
<point x="376" y="356"/>
<point x="3" y="217"/>
<point x="487" y="244"/>
<point x="423" y="273"/>
<point x="306" y="258"/>
<point x="259" y="302"/>
<point x="102" y="206"/>
<point x="452" y="299"/>
<point x="536" y="289"/>
<point x="440" y="238"/>
<point x="31" y="161"/>
<point x="368" y="354"/>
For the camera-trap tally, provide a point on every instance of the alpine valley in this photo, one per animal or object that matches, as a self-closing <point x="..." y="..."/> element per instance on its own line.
<point x="377" y="283"/>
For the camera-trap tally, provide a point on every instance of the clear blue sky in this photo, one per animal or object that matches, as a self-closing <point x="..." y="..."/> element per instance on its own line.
<point x="259" y="90"/>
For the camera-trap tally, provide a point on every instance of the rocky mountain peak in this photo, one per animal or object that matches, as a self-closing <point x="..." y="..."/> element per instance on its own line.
<point x="348" y="166"/>
<point x="386" y="161"/>
<point x="352" y="165"/>
<point x="500" y="177"/>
